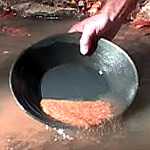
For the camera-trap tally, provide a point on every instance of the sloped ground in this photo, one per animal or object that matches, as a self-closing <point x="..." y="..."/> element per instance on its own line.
<point x="21" y="132"/>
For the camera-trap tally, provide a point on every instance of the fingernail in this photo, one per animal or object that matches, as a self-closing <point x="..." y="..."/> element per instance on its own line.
<point x="83" y="50"/>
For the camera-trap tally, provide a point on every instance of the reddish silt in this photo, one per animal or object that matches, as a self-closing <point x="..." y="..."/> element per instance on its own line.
<point x="141" y="24"/>
<point x="14" y="31"/>
<point x="6" y="14"/>
<point x="78" y="113"/>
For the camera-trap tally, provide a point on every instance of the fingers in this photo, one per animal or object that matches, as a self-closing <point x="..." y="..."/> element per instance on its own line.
<point x="88" y="40"/>
<point x="72" y="30"/>
<point x="77" y="28"/>
<point x="85" y="43"/>
<point x="92" y="29"/>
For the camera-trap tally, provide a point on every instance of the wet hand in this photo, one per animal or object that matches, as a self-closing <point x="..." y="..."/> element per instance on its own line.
<point x="93" y="29"/>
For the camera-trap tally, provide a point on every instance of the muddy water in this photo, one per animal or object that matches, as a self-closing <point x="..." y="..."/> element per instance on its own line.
<point x="18" y="131"/>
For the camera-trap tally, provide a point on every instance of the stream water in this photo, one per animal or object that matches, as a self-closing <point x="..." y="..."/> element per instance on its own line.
<point x="18" y="131"/>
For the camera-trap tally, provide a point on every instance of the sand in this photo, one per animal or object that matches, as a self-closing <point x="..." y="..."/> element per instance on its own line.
<point x="78" y="113"/>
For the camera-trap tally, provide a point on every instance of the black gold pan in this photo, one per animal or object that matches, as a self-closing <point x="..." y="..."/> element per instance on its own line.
<point x="54" y="68"/>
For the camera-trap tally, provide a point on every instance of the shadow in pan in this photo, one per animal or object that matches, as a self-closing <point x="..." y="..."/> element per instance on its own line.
<point x="140" y="53"/>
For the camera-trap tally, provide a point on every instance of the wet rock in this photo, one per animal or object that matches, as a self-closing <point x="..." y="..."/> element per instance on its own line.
<point x="142" y="11"/>
<point x="37" y="9"/>
<point x="95" y="8"/>
<point x="12" y="2"/>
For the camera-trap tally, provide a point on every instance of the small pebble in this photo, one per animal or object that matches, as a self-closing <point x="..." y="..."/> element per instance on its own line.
<point x="5" y="52"/>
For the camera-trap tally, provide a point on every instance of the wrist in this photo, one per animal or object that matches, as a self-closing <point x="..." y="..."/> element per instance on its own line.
<point x="112" y="13"/>
<point x="118" y="10"/>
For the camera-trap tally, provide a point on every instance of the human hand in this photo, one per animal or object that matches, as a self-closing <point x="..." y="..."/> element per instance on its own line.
<point x="93" y="29"/>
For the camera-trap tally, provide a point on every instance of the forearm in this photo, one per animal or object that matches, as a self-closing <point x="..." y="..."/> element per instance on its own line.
<point x="119" y="9"/>
<point x="105" y="24"/>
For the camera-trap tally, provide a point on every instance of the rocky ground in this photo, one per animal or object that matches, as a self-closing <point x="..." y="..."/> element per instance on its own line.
<point x="51" y="8"/>
<point x="66" y="8"/>
<point x="61" y="9"/>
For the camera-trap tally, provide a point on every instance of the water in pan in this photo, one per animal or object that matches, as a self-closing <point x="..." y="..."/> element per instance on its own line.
<point x="78" y="83"/>
<point x="73" y="81"/>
